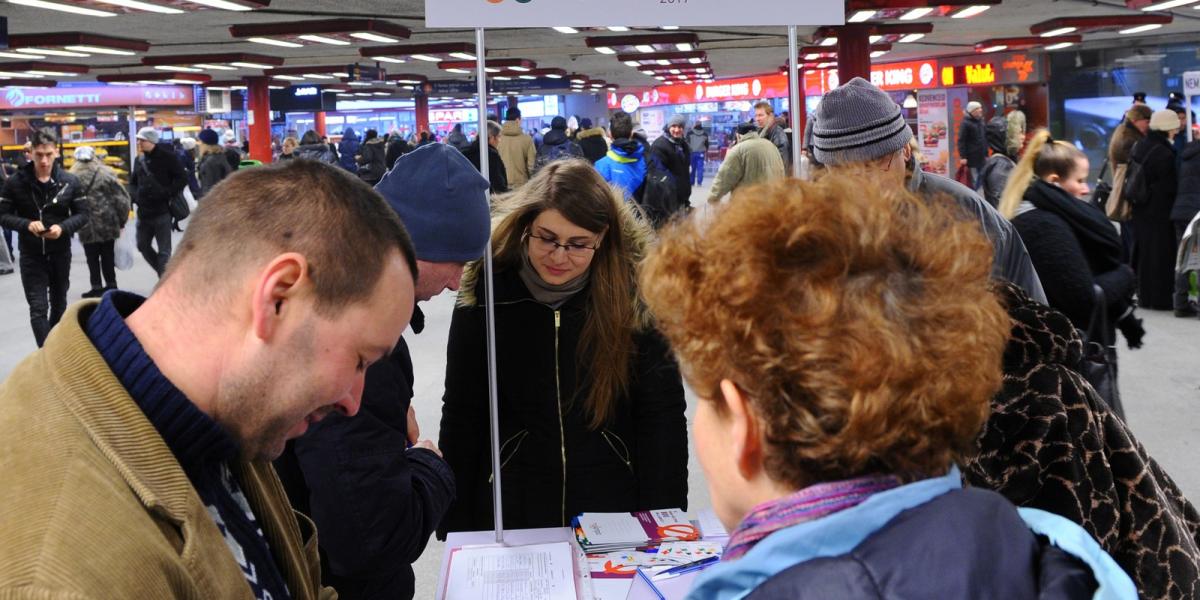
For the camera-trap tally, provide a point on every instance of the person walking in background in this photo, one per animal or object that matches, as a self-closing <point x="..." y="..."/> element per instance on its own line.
<point x="556" y="145"/>
<point x="397" y="146"/>
<point x="1187" y="205"/>
<point x="156" y="178"/>
<point x="1154" y="250"/>
<point x="624" y="164"/>
<point x="835" y="409"/>
<point x="46" y="205"/>
<point x="591" y="402"/>
<point x="972" y="142"/>
<point x="233" y="150"/>
<point x="516" y="149"/>
<point x="187" y="157"/>
<point x="670" y="150"/>
<point x="1133" y="128"/>
<point x="457" y="139"/>
<point x="591" y="140"/>
<point x="697" y="140"/>
<point x="994" y="174"/>
<point x="108" y="210"/>
<point x="213" y="166"/>
<point x="312" y="148"/>
<point x="753" y="160"/>
<point x="348" y="150"/>
<point x="496" y="172"/>
<point x="287" y="149"/>
<point x="769" y="129"/>
<point x="372" y="158"/>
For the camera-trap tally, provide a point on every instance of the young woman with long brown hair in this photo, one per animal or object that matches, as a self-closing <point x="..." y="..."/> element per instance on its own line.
<point x="591" y="402"/>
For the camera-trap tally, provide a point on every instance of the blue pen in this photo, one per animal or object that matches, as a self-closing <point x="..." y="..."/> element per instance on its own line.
<point x="687" y="568"/>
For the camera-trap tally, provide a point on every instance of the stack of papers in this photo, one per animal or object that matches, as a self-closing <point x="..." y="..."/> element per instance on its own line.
<point x="610" y="532"/>
<point x="535" y="572"/>
<point x="623" y="564"/>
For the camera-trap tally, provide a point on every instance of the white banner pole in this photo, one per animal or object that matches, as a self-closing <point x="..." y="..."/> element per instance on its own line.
<point x="489" y="303"/>
<point x="794" y="107"/>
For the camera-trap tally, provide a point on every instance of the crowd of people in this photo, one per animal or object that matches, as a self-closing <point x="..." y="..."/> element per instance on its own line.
<point x="894" y="400"/>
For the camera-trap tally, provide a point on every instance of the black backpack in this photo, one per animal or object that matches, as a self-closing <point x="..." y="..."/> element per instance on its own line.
<point x="552" y="152"/>
<point x="1136" y="190"/>
<point x="656" y="196"/>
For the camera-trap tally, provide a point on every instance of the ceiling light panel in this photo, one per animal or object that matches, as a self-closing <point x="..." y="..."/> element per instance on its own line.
<point x="68" y="8"/>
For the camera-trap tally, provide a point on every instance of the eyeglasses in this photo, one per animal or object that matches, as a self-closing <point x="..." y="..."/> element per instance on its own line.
<point x="549" y="245"/>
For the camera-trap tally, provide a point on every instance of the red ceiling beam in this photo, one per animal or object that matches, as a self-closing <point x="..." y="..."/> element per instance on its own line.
<point x="1100" y="23"/>
<point x="407" y="78"/>
<point x="194" y="78"/>
<point x="22" y="82"/>
<point x="654" y="39"/>
<point x="499" y="63"/>
<point x="58" y="40"/>
<point x="321" y="26"/>
<point x="856" y="5"/>
<point x="829" y="31"/>
<point x="1027" y="42"/>
<point x="411" y="49"/>
<point x="339" y="70"/>
<point x="224" y="58"/>
<point x="671" y="56"/>
<point x="41" y="65"/>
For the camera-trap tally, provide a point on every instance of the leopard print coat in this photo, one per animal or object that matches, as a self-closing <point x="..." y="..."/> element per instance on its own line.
<point x="1052" y="443"/>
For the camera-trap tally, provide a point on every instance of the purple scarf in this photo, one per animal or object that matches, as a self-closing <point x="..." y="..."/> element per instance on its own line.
<point x="808" y="504"/>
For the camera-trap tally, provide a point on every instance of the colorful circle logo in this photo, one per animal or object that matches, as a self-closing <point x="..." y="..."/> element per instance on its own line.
<point x="926" y="74"/>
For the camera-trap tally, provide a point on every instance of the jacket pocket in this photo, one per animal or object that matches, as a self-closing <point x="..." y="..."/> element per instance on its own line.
<point x="515" y="443"/>
<point x="619" y="448"/>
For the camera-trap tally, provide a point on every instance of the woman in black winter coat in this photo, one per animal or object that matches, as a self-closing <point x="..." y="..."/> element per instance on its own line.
<point x="213" y="167"/>
<point x="1154" y="250"/>
<point x="1071" y="242"/>
<point x="1187" y="204"/>
<point x="591" y="403"/>
<point x="372" y="158"/>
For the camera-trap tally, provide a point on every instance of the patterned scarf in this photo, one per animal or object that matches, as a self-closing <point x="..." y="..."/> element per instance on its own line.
<point x="808" y="504"/>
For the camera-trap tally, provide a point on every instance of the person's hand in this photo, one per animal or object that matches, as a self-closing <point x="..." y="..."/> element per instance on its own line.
<point x="53" y="233"/>
<point x="962" y="162"/>
<point x="428" y="445"/>
<point x="414" y="429"/>
<point x="36" y="228"/>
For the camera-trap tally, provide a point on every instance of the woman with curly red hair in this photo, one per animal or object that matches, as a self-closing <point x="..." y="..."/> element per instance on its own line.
<point x="845" y="342"/>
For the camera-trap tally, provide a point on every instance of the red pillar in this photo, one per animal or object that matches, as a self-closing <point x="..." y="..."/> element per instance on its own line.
<point x="259" y="118"/>
<point x="319" y="123"/>
<point x="422" y="108"/>
<point x="854" y="52"/>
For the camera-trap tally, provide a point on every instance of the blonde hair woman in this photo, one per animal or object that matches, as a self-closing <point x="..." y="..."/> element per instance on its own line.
<point x="591" y="403"/>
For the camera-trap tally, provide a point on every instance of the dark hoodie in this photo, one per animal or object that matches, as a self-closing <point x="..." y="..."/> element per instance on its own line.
<point x="1187" y="201"/>
<point x="592" y="142"/>
<point x="999" y="164"/>
<point x="347" y="148"/>
<point x="556" y="145"/>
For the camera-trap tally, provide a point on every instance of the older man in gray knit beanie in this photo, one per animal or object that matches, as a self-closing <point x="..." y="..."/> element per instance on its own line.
<point x="858" y="124"/>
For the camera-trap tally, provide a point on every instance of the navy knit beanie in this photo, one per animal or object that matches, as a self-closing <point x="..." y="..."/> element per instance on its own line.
<point x="442" y="201"/>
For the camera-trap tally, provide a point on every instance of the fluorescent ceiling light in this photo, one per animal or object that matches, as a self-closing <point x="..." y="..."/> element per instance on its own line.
<point x="462" y="71"/>
<point x="79" y="10"/>
<point x="409" y="87"/>
<point x="618" y="28"/>
<point x="674" y="71"/>
<point x="663" y="61"/>
<point x="825" y="65"/>
<point x="183" y="82"/>
<point x="995" y="48"/>
<point x="554" y="76"/>
<point x="969" y="12"/>
<point x="647" y="72"/>
<point x="217" y="88"/>
<point x="527" y="77"/>
<point x="52" y="73"/>
<point x="1168" y="5"/>
<point x="374" y="37"/>
<point x="565" y="29"/>
<point x="578" y="80"/>
<point x="237" y="87"/>
<point x="519" y="69"/>
<point x="318" y="76"/>
<point x="874" y="38"/>
<point x="684" y="47"/>
<point x="912" y="37"/>
<point x="829" y="42"/>
<point x="1059" y="31"/>
<point x="502" y="78"/>
<point x="320" y="39"/>
<point x="862" y="15"/>
<point x="491" y="70"/>
<point x="661" y="78"/>
<point x="878" y="53"/>
<point x="695" y="61"/>
<point x="813" y="56"/>
<point x="632" y="63"/>
<point x="288" y="77"/>
<point x="360" y="84"/>
<point x="21" y="56"/>
<point x="11" y="74"/>
<point x="276" y="87"/>
<point x="271" y="42"/>
<point x="146" y="6"/>
<point x="669" y="27"/>
<point x="177" y="68"/>
<point x="214" y="67"/>
<point x="345" y="95"/>
<point x="644" y="48"/>
<point x="221" y="4"/>
<point x="99" y="50"/>
<point x="51" y="52"/>
<point x="1141" y="28"/>
<point x="1060" y="45"/>
<point x="250" y="65"/>
<point x="389" y="59"/>
<point x="916" y="13"/>
<point x="462" y="55"/>
<point x="380" y="94"/>
<point x="426" y="58"/>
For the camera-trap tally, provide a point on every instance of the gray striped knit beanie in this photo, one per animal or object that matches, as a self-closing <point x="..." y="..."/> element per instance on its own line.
<point x="856" y="123"/>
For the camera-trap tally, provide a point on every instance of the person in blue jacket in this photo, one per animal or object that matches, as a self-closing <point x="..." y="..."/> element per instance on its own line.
<point x="624" y="165"/>
<point x="375" y="491"/>
<point x="347" y="149"/>
<point x="845" y="362"/>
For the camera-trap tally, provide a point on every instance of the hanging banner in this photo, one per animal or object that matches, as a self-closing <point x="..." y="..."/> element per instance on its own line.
<point x="635" y="13"/>
<point x="933" y="130"/>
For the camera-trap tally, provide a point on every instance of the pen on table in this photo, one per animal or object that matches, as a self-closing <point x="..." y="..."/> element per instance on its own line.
<point x="686" y="568"/>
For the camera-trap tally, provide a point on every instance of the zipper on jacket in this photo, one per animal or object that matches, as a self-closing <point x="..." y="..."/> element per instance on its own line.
<point x="562" y="436"/>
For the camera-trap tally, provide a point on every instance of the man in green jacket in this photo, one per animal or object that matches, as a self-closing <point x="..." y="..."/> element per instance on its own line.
<point x="752" y="160"/>
<point x="135" y="446"/>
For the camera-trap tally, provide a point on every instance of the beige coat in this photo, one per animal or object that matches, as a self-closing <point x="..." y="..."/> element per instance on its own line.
<point x="753" y="160"/>
<point x="94" y="505"/>
<point x="518" y="153"/>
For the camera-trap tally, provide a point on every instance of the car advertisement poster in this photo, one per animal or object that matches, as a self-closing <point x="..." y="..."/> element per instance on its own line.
<point x="933" y="134"/>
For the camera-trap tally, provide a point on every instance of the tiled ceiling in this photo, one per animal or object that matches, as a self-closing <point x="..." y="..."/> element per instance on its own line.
<point x="732" y="51"/>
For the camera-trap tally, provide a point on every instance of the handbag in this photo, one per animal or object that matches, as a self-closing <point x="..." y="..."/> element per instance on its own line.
<point x="1099" y="362"/>
<point x="963" y="176"/>
<point x="1118" y="208"/>
<point x="1102" y="190"/>
<point x="124" y="250"/>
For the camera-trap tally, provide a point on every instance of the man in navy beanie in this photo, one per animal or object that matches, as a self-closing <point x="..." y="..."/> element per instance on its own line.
<point x="375" y="492"/>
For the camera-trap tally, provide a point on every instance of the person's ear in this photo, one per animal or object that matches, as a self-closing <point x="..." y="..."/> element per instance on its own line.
<point x="278" y="285"/>
<point x="907" y="153"/>
<point x="745" y="434"/>
<point x="1053" y="178"/>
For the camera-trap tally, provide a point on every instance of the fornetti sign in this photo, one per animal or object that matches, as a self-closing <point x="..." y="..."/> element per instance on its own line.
<point x="636" y="13"/>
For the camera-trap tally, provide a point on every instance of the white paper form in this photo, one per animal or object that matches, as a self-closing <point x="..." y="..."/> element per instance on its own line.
<point x="537" y="572"/>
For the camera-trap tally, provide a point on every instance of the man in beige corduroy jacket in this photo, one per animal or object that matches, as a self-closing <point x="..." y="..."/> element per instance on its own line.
<point x="517" y="150"/>
<point x="135" y="446"/>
